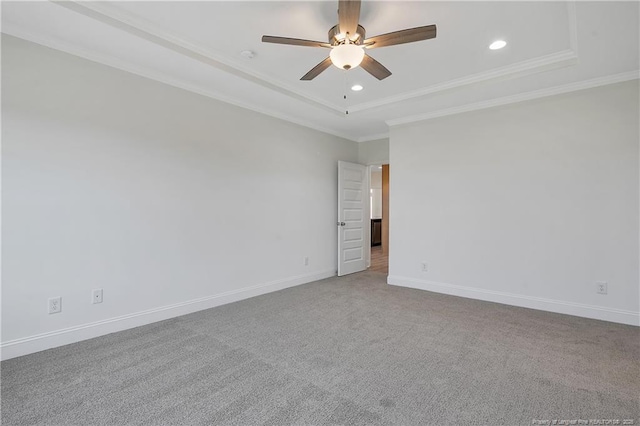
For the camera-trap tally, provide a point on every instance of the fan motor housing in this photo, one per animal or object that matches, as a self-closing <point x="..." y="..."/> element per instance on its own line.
<point x="335" y="31"/>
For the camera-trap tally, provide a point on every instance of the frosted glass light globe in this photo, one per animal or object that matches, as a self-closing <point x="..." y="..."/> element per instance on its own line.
<point x="346" y="56"/>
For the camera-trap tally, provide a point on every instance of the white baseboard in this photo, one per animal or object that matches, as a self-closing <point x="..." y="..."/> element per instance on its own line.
<point x="52" y="339"/>
<point x="557" y="306"/>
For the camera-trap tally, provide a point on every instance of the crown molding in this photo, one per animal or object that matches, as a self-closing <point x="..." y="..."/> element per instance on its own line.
<point x="533" y="66"/>
<point x="108" y="15"/>
<point x="111" y="16"/>
<point x="152" y="33"/>
<point x="552" y="61"/>
<point x="521" y="97"/>
<point x="113" y="62"/>
<point x="375" y="137"/>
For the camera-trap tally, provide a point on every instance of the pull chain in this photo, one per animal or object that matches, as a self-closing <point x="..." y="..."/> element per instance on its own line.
<point x="346" y="103"/>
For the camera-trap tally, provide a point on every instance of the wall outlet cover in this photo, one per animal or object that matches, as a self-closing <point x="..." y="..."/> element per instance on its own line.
<point x="601" y="287"/>
<point x="96" y="296"/>
<point x="55" y="305"/>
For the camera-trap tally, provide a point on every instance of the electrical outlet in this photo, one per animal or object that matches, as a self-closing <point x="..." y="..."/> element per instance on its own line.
<point x="55" y="305"/>
<point x="425" y="267"/>
<point x="96" y="296"/>
<point x="601" y="287"/>
<point x="306" y="261"/>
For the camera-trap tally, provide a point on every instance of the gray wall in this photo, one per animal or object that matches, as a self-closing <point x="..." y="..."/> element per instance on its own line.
<point x="529" y="204"/>
<point x="169" y="201"/>
<point x="374" y="152"/>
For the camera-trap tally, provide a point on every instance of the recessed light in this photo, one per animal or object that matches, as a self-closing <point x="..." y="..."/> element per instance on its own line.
<point x="498" y="44"/>
<point x="356" y="88"/>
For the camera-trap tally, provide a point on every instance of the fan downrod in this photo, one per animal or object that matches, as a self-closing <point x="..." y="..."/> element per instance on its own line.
<point x="336" y="38"/>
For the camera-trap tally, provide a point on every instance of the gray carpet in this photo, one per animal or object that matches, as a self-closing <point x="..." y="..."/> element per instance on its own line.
<point x="349" y="350"/>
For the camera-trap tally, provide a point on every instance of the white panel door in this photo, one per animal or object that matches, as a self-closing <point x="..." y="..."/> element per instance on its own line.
<point x="353" y="217"/>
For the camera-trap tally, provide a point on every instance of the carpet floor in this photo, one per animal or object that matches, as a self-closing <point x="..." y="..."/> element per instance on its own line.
<point x="345" y="351"/>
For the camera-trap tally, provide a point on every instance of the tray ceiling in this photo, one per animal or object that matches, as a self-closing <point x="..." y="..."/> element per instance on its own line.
<point x="552" y="47"/>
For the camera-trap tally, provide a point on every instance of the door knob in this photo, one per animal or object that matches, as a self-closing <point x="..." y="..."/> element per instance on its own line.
<point x="341" y="224"/>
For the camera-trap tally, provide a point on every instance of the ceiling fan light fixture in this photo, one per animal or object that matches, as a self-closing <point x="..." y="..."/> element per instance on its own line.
<point x="346" y="56"/>
<point x="347" y="41"/>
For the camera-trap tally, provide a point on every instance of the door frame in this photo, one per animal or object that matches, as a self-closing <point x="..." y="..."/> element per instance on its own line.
<point x="371" y="168"/>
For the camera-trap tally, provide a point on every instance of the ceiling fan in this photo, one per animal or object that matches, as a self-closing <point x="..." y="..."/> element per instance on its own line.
<point x="347" y="42"/>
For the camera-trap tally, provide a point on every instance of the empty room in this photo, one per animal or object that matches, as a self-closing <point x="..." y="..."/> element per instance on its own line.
<point x="320" y="213"/>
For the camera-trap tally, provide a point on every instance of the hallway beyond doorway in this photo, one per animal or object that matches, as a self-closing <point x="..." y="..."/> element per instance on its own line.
<point x="379" y="260"/>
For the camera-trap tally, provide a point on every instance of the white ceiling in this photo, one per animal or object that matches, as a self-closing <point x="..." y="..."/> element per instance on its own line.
<point x="553" y="47"/>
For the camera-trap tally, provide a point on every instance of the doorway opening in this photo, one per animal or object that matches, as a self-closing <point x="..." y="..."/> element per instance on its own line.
<point x="379" y="212"/>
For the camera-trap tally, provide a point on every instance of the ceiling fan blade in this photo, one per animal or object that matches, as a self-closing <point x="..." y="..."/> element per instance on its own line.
<point x="374" y="68"/>
<point x="315" y="71"/>
<point x="348" y="16"/>
<point x="294" y="41"/>
<point x="403" y="36"/>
